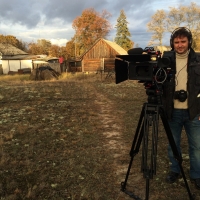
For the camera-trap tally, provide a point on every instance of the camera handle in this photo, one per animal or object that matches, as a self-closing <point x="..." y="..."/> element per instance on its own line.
<point x="149" y="117"/>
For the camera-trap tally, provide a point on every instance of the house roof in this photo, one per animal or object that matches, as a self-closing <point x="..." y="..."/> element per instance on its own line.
<point x="10" y="50"/>
<point x="35" y="58"/>
<point x="19" y="57"/>
<point x="113" y="45"/>
<point x="116" y="47"/>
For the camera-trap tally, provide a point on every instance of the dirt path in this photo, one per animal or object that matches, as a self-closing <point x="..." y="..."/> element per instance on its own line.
<point x="112" y="124"/>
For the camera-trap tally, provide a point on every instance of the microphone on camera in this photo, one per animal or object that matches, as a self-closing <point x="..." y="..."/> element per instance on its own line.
<point x="135" y="51"/>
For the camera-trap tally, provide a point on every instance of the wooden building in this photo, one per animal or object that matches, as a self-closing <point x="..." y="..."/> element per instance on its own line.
<point x="100" y="56"/>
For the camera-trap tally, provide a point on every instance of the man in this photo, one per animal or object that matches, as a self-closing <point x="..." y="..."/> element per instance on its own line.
<point x="181" y="100"/>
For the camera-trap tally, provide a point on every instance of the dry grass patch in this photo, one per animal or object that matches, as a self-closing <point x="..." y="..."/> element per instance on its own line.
<point x="70" y="139"/>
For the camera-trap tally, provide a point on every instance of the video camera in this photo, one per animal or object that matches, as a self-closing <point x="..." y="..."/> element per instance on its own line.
<point x="147" y="66"/>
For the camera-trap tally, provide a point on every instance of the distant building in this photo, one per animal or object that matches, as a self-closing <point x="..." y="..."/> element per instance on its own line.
<point x="162" y="48"/>
<point x="100" y="56"/>
<point x="14" y="59"/>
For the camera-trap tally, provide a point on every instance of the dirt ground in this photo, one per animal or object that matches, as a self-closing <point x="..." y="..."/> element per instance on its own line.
<point x="70" y="140"/>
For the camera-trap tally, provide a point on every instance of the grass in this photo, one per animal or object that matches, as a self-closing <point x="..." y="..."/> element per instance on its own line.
<point x="70" y="139"/>
<point x="15" y="77"/>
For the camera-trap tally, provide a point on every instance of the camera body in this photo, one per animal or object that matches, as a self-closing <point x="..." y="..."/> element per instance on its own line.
<point x="181" y="95"/>
<point x="143" y="68"/>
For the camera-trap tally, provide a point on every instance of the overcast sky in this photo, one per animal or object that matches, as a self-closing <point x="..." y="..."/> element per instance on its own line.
<point x="30" y="20"/>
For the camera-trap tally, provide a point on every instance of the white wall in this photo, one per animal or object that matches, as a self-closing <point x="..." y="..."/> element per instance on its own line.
<point x="14" y="65"/>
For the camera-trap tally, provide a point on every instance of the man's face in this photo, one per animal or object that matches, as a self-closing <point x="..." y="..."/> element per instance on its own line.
<point x="181" y="44"/>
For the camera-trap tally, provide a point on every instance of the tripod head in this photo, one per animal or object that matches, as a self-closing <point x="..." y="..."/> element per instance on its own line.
<point x="154" y="92"/>
<point x="154" y="96"/>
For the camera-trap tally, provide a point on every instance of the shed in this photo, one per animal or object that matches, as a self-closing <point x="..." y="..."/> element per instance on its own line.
<point x="100" y="56"/>
<point x="14" y="59"/>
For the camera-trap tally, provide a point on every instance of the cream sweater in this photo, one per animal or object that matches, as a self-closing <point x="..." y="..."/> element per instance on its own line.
<point x="181" y="78"/>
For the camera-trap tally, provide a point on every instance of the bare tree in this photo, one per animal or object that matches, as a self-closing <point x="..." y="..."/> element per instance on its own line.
<point x="192" y="16"/>
<point x="175" y="18"/>
<point x="187" y="16"/>
<point x="184" y="16"/>
<point x="157" y="26"/>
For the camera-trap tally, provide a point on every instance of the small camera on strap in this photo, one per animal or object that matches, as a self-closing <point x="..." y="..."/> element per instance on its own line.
<point x="181" y="95"/>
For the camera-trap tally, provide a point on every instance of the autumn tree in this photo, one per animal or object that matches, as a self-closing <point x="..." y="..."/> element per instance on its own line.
<point x="34" y="49"/>
<point x="41" y="47"/>
<point x="57" y="51"/>
<point x="23" y="45"/>
<point x="157" y="26"/>
<point x="63" y="52"/>
<point x="123" y="35"/>
<point x="89" y="27"/>
<point x="44" y="46"/>
<point x="54" y="51"/>
<point x="2" y="39"/>
<point x="70" y="48"/>
<point x="197" y="43"/>
<point x="10" y="39"/>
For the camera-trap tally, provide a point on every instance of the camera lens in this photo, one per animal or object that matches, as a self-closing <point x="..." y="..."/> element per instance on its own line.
<point x="180" y="95"/>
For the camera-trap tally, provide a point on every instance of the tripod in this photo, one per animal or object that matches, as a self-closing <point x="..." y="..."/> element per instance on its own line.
<point x="149" y="117"/>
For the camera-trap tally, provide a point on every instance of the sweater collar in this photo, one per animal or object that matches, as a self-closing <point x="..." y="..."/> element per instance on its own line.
<point x="182" y="56"/>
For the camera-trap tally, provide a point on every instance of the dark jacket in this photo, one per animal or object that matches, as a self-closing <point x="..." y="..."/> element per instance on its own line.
<point x="193" y="88"/>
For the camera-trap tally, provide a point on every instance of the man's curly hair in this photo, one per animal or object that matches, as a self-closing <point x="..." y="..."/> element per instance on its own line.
<point x="182" y="32"/>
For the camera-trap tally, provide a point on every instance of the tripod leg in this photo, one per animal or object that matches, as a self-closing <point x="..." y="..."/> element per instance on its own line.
<point x="172" y="143"/>
<point x="155" y="140"/>
<point x="138" y="138"/>
<point x="150" y="113"/>
<point x="135" y="146"/>
<point x="147" y="189"/>
<point x="149" y="159"/>
<point x="151" y="120"/>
